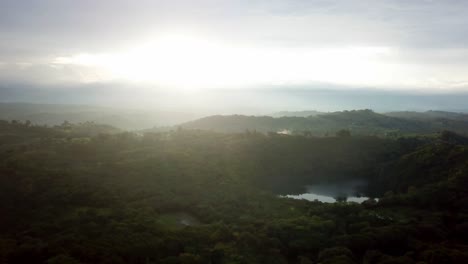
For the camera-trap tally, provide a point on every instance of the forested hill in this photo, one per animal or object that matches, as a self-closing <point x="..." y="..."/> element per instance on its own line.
<point x="365" y="122"/>
<point x="428" y="115"/>
<point x="190" y="196"/>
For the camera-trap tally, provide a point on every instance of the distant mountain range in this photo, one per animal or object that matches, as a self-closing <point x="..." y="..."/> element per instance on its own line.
<point x="428" y="115"/>
<point x="364" y="122"/>
<point x="127" y="119"/>
<point x="296" y="113"/>
<point x="358" y="122"/>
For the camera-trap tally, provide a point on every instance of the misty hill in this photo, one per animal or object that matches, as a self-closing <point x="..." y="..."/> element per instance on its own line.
<point x="429" y="115"/>
<point x="296" y="113"/>
<point x="356" y="121"/>
<point x="14" y="131"/>
<point x="56" y="114"/>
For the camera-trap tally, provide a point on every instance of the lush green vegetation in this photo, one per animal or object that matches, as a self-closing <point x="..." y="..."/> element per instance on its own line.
<point x="79" y="194"/>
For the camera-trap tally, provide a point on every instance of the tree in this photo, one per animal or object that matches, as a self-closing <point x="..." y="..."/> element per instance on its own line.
<point x="343" y="133"/>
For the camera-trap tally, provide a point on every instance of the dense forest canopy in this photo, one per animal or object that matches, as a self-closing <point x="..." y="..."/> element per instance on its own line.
<point x="87" y="193"/>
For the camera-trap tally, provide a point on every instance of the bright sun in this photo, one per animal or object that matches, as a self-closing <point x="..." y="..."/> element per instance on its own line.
<point x="186" y="61"/>
<point x="182" y="61"/>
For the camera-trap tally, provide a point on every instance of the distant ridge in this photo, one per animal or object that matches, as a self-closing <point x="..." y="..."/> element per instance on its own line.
<point x="296" y="113"/>
<point x="431" y="114"/>
<point x="362" y="122"/>
<point x="56" y="114"/>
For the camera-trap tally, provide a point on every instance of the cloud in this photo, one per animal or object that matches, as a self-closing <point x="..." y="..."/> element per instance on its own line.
<point x="93" y="25"/>
<point x="427" y="38"/>
<point x="191" y="63"/>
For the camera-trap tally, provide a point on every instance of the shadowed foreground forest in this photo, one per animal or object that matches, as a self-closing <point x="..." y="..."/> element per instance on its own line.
<point x="87" y="193"/>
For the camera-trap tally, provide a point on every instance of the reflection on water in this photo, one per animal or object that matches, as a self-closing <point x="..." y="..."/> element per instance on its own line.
<point x="325" y="199"/>
<point x="331" y="192"/>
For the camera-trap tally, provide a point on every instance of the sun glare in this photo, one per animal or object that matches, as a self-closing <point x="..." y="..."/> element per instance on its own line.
<point x="193" y="62"/>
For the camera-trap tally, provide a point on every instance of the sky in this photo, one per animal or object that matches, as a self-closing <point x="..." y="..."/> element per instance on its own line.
<point x="418" y="46"/>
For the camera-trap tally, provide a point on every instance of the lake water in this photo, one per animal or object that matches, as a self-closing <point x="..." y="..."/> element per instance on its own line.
<point x="330" y="192"/>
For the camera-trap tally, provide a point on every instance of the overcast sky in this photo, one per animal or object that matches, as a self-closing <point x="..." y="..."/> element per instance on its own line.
<point x="387" y="44"/>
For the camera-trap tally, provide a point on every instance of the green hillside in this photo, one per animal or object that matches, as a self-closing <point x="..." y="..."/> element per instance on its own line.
<point x="203" y="197"/>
